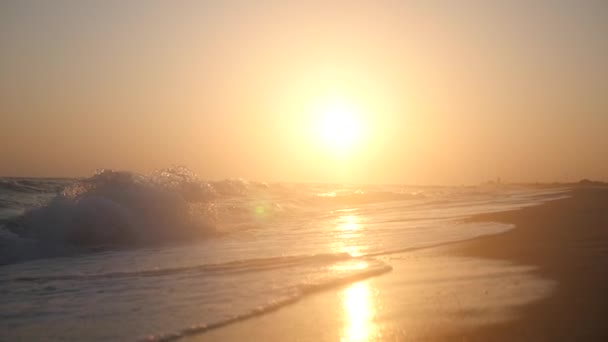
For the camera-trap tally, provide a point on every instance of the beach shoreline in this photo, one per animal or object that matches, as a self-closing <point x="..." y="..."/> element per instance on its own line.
<point x="567" y="240"/>
<point x="542" y="280"/>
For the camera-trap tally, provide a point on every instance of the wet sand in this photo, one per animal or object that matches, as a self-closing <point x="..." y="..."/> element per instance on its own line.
<point x="568" y="240"/>
<point x="545" y="280"/>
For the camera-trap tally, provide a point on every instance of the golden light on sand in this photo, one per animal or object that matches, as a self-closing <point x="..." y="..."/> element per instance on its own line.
<point x="359" y="312"/>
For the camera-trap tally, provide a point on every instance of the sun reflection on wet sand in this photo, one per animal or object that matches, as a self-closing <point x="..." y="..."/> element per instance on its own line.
<point x="359" y="312"/>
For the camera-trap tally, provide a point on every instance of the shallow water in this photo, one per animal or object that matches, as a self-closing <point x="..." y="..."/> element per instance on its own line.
<point x="428" y="296"/>
<point x="121" y="256"/>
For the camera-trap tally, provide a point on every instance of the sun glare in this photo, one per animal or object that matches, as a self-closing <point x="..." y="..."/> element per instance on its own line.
<point x="339" y="125"/>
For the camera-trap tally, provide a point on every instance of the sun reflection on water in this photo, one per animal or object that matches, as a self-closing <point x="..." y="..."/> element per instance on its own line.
<point x="358" y="313"/>
<point x="349" y="223"/>
<point x="347" y="232"/>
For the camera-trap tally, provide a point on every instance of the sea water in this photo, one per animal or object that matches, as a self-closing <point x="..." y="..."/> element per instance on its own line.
<point x="124" y="256"/>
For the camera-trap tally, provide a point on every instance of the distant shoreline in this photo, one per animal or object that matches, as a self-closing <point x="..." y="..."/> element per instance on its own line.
<point x="584" y="183"/>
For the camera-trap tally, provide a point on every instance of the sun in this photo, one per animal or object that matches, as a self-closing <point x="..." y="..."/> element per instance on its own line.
<point x="339" y="125"/>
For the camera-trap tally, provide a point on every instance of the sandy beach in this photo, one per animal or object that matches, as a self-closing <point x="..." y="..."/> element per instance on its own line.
<point x="543" y="280"/>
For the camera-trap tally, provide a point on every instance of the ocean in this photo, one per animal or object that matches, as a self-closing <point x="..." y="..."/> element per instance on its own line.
<point x="121" y="256"/>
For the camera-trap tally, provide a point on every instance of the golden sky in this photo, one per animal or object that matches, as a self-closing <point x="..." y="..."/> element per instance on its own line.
<point x="416" y="92"/>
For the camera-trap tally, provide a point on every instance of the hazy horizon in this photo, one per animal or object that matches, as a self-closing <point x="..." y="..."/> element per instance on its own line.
<point x="358" y="92"/>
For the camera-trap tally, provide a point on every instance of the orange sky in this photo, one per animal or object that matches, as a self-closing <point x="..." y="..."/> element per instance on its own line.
<point x="443" y="92"/>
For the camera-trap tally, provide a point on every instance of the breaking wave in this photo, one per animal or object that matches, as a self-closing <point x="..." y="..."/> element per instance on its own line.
<point x="114" y="209"/>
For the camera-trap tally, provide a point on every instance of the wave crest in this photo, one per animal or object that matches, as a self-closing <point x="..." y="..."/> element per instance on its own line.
<point x="115" y="209"/>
